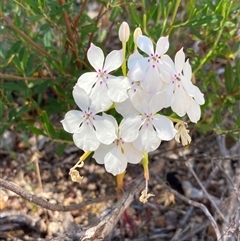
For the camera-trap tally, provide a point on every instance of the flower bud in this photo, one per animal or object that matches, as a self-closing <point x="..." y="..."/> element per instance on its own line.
<point x="124" y="32"/>
<point x="136" y="34"/>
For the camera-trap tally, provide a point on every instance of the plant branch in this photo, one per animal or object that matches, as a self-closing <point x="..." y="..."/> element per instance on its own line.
<point x="45" y="204"/>
<point x="71" y="39"/>
<point x="188" y="164"/>
<point x="15" y="77"/>
<point x="78" y="17"/>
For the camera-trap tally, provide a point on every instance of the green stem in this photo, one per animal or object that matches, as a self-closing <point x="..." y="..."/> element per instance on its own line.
<point x="145" y="166"/>
<point x="173" y="16"/>
<point x="124" y="65"/>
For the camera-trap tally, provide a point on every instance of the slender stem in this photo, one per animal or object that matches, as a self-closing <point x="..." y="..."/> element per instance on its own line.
<point x="15" y="77"/>
<point x="145" y="166"/>
<point x="70" y="35"/>
<point x="124" y="64"/>
<point x="78" y="17"/>
<point x="177" y="3"/>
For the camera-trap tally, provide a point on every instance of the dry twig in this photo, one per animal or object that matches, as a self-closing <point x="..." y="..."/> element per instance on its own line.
<point x="195" y="204"/>
<point x="45" y="204"/>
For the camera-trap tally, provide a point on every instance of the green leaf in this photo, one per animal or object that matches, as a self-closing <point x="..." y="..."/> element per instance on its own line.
<point x="48" y="127"/>
<point x="237" y="124"/>
<point x="114" y="13"/>
<point x="61" y="149"/>
<point x="42" y="86"/>
<point x="33" y="5"/>
<point x="151" y="12"/>
<point x="6" y="61"/>
<point x="217" y="118"/>
<point x="64" y="136"/>
<point x="237" y="79"/>
<point x="22" y="110"/>
<point x="135" y="14"/>
<point x="204" y="21"/>
<point x="35" y="130"/>
<point x="30" y="69"/>
<point x="228" y="74"/>
<point x="91" y="28"/>
<point x="11" y="85"/>
<point x="47" y="39"/>
<point x="1" y="110"/>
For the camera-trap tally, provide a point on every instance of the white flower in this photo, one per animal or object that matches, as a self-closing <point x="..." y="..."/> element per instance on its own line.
<point x="136" y="34"/>
<point x="124" y="32"/>
<point x="187" y="97"/>
<point x="147" y="129"/>
<point x="105" y="88"/>
<point x="88" y="128"/>
<point x="147" y="70"/>
<point x="116" y="155"/>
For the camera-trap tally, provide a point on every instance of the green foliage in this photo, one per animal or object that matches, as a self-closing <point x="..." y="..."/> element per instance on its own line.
<point x="44" y="46"/>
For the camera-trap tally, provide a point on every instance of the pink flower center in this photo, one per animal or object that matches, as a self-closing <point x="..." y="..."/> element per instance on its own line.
<point x="103" y="74"/>
<point x="154" y="58"/>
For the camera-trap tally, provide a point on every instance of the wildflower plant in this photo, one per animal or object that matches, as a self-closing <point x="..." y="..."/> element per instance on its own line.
<point x="150" y="82"/>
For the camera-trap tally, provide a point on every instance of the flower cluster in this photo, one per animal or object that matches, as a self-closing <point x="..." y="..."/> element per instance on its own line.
<point x="150" y="82"/>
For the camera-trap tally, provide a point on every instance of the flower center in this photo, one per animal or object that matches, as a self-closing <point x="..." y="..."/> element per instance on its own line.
<point x="154" y="58"/>
<point x="118" y="141"/>
<point x="178" y="78"/>
<point x="88" y="116"/>
<point x="148" y="118"/>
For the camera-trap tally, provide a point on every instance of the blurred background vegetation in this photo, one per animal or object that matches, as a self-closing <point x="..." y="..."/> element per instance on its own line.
<point x="44" y="45"/>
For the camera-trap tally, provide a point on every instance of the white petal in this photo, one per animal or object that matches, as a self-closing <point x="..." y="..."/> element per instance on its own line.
<point x="179" y="60"/>
<point x="187" y="70"/>
<point x="138" y="69"/>
<point x="95" y="57"/>
<point x="113" y="60"/>
<point x="99" y="98"/>
<point x="85" y="137"/>
<point x="133" y="155"/>
<point x="164" y="127"/>
<point x="169" y="88"/>
<point x="181" y="101"/>
<point x="141" y="101"/>
<point x="167" y="68"/>
<point x="87" y="80"/>
<point x="133" y="58"/>
<point x="194" y="112"/>
<point x="72" y="120"/>
<point x="129" y="128"/>
<point x="147" y="140"/>
<point x="162" y="45"/>
<point x="101" y="152"/>
<point x="151" y="81"/>
<point x="105" y="130"/>
<point x="159" y="101"/>
<point x="117" y="89"/>
<point x="81" y="98"/>
<point x="112" y="120"/>
<point x="187" y="85"/>
<point x="125" y="108"/>
<point x="145" y="44"/>
<point x="115" y="161"/>
<point x="193" y="91"/>
<point x="198" y="96"/>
